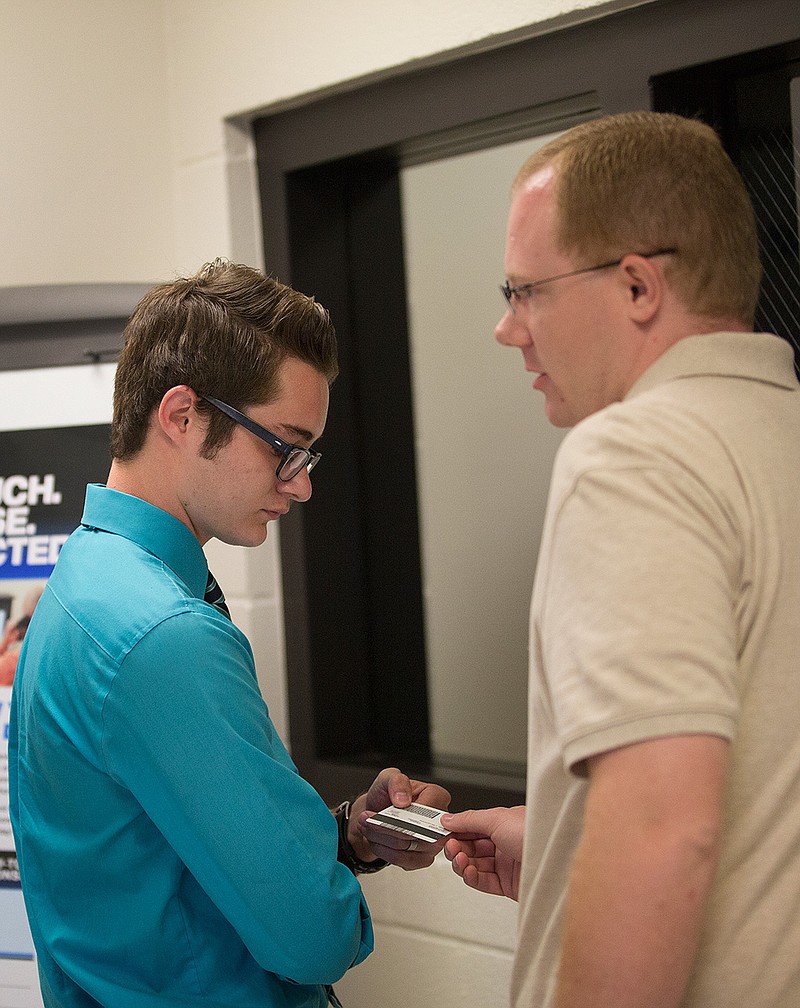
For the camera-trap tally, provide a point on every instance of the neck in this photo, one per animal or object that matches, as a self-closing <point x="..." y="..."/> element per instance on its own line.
<point x="140" y="478"/>
<point x="130" y="478"/>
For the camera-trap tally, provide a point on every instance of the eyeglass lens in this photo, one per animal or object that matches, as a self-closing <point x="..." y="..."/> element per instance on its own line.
<point x="293" y="463"/>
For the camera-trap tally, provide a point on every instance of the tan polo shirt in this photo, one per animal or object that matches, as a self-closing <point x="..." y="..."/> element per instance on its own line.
<point x="667" y="602"/>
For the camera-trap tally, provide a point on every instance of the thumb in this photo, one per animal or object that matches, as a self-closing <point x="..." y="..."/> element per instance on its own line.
<point x="399" y="789"/>
<point x="470" y="821"/>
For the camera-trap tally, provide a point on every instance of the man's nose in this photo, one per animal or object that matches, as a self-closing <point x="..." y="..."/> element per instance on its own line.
<point x="298" y="487"/>
<point x="510" y="331"/>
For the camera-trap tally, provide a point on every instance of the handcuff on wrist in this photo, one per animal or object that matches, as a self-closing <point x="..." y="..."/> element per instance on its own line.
<point x="347" y="855"/>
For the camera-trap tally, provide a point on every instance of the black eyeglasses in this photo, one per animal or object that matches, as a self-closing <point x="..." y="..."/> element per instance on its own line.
<point x="294" y="458"/>
<point x="522" y="292"/>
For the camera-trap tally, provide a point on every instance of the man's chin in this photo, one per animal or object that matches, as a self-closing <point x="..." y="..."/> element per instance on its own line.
<point x="558" y="413"/>
<point x="257" y="538"/>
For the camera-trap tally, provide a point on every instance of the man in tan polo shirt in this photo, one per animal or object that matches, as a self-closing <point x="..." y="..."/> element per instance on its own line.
<point x="657" y="861"/>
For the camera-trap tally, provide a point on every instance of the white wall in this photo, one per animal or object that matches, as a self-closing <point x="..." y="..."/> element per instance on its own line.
<point x="116" y="165"/>
<point x="85" y="157"/>
<point x="244" y="55"/>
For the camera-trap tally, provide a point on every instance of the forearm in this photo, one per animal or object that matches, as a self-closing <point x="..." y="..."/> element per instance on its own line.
<point x="632" y="924"/>
<point x="643" y="872"/>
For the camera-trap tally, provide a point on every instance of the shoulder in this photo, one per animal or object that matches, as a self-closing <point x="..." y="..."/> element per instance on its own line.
<point x="191" y="663"/>
<point x="658" y="429"/>
<point x="651" y="455"/>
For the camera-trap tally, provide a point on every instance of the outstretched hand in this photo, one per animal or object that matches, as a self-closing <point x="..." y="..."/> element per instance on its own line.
<point x="393" y="787"/>
<point x="486" y="849"/>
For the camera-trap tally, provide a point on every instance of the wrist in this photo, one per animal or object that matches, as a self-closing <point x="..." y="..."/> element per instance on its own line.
<point x="347" y="854"/>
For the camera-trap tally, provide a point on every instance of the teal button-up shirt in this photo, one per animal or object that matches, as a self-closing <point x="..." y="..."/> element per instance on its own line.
<point x="170" y="853"/>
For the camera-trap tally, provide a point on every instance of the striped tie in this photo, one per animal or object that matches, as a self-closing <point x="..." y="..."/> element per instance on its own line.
<point x="214" y="595"/>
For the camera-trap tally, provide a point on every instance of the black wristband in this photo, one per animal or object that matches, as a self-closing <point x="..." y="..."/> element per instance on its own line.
<point x="347" y="856"/>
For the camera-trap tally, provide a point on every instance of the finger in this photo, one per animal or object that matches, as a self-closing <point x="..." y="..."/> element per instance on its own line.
<point x="383" y="839"/>
<point x="378" y="796"/>
<point x="470" y="821"/>
<point x="485" y="882"/>
<point x="375" y="832"/>
<point x="461" y="859"/>
<point x="473" y="847"/>
<point x="474" y="875"/>
<point x="482" y="847"/>
<point x="390" y="787"/>
<point x="454" y="846"/>
<point x="408" y="859"/>
<point x="381" y="836"/>
<point x="459" y="863"/>
<point x="452" y="849"/>
<point x="400" y="790"/>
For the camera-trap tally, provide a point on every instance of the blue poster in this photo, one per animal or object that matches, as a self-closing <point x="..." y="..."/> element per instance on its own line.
<point x="43" y="477"/>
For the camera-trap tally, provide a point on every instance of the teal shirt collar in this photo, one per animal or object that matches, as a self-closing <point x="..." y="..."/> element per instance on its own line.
<point x="151" y="528"/>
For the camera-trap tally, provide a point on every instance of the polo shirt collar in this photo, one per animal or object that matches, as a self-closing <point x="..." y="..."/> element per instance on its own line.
<point x="756" y="356"/>
<point x="151" y="528"/>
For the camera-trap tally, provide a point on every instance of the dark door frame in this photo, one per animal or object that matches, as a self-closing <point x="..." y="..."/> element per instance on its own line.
<point x="328" y="170"/>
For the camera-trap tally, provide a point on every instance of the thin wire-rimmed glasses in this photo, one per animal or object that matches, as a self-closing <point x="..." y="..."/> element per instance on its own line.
<point x="521" y="293"/>
<point x="293" y="458"/>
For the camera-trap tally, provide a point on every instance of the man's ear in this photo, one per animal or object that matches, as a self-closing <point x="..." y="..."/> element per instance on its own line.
<point x="176" y="412"/>
<point x="643" y="287"/>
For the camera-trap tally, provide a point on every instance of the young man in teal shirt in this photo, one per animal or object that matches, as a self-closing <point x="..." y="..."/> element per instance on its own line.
<point x="170" y="853"/>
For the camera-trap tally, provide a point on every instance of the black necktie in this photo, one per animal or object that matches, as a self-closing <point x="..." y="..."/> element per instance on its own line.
<point x="214" y="595"/>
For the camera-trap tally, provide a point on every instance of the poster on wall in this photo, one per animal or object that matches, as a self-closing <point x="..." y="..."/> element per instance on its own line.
<point x="51" y="446"/>
<point x="43" y="477"/>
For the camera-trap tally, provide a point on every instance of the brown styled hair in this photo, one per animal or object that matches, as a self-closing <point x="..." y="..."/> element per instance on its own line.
<point x="225" y="331"/>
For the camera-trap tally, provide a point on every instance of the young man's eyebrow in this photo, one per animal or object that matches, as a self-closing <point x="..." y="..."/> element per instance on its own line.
<point x="299" y="432"/>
